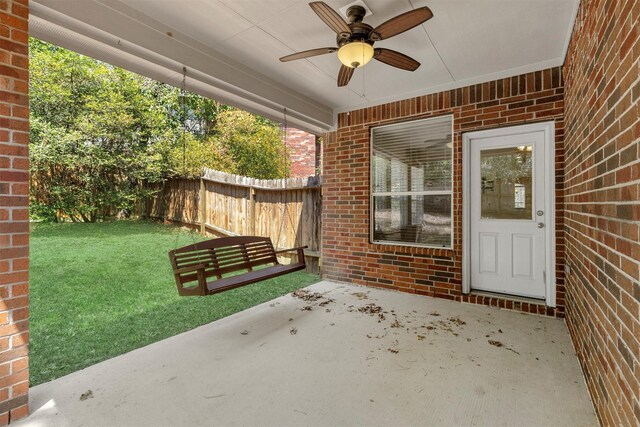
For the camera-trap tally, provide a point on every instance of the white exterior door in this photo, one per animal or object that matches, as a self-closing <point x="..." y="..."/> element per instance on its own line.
<point x="507" y="213"/>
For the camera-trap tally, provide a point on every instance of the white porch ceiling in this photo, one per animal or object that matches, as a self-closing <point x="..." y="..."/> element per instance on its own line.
<point x="231" y="47"/>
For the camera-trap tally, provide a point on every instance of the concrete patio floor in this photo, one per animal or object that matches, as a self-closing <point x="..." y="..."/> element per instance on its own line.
<point x="336" y="361"/>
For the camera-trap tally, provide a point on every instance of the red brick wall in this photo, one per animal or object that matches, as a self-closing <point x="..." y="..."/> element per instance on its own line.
<point x="602" y="217"/>
<point x="14" y="212"/>
<point x="346" y="251"/>
<point x="301" y="148"/>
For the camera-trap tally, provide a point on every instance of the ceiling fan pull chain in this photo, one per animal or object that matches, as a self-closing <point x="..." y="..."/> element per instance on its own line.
<point x="363" y="73"/>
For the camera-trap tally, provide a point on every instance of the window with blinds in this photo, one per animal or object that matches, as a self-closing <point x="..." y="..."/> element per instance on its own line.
<point x="411" y="182"/>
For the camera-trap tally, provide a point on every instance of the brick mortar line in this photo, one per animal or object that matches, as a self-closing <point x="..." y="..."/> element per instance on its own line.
<point x="604" y="131"/>
<point x="15" y="144"/>
<point x="605" y="203"/>
<point x="12" y="91"/>
<point x="608" y="109"/>
<point x="611" y="356"/>
<point x="593" y="216"/>
<point x="594" y="228"/>
<point x="14" y="117"/>
<point x="584" y="78"/>
<point x="585" y="366"/>
<point x="606" y="337"/>
<point x="619" y="168"/>
<point x="618" y="253"/>
<point x="619" y="270"/>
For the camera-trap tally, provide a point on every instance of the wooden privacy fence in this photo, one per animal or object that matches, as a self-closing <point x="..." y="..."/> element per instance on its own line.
<point x="286" y="210"/>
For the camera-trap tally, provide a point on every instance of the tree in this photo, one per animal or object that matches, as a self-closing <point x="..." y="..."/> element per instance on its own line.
<point x="254" y="145"/>
<point x="91" y="125"/>
<point x="99" y="132"/>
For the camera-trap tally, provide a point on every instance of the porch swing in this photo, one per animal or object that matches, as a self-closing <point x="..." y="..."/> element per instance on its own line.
<point x="218" y="265"/>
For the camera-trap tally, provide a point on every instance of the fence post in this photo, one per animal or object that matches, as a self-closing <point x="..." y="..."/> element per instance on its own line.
<point x="252" y="211"/>
<point x="203" y="208"/>
<point x="164" y="201"/>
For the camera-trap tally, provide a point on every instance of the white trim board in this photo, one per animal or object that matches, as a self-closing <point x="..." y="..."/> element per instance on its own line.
<point x="550" y="197"/>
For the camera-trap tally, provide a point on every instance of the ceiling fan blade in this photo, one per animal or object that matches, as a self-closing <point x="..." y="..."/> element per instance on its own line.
<point x="330" y="17"/>
<point x="401" y="23"/>
<point x="344" y="75"/>
<point x="395" y="59"/>
<point x="308" y="53"/>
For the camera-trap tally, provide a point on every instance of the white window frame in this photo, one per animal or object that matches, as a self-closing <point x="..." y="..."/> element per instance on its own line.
<point x="372" y="195"/>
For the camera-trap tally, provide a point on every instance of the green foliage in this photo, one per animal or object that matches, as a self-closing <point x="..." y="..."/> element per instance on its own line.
<point x="254" y="145"/>
<point x="191" y="156"/>
<point x="91" y="125"/>
<point x="101" y="290"/>
<point x="98" y="132"/>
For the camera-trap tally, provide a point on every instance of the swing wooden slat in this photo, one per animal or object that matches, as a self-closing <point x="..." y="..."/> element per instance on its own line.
<point x="195" y="264"/>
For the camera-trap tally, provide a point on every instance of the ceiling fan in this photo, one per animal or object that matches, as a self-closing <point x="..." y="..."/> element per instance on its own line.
<point x="355" y="40"/>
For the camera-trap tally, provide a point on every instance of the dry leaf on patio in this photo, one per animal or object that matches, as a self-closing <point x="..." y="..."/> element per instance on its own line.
<point x="370" y="309"/>
<point x="360" y="295"/>
<point x="305" y="295"/>
<point x="86" y="395"/>
<point x="396" y="324"/>
<point x="458" y="321"/>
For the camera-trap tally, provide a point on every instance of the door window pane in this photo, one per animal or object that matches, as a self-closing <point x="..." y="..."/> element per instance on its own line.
<point x="506" y="183"/>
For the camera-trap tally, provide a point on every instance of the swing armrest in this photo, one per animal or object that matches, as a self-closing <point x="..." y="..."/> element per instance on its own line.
<point x="191" y="269"/>
<point x="299" y="249"/>
<point x="200" y="288"/>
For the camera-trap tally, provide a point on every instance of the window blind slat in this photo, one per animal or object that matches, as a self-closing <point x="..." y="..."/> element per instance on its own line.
<point x="412" y="163"/>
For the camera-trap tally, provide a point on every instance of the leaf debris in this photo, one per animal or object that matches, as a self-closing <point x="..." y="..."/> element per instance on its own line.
<point x="86" y="395"/>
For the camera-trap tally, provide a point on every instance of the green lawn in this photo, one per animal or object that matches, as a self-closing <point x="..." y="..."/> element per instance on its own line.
<point x="100" y="290"/>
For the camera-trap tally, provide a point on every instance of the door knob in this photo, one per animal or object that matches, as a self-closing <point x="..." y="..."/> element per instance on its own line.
<point x="540" y="225"/>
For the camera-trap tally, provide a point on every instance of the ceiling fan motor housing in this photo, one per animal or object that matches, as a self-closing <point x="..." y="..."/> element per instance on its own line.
<point x="356" y="13"/>
<point x="359" y="30"/>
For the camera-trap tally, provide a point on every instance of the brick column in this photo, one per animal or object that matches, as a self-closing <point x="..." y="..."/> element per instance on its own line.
<point x="301" y="148"/>
<point x="14" y="210"/>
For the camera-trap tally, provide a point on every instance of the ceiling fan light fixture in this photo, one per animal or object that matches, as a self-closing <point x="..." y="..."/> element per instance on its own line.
<point x="355" y="54"/>
<point x="355" y="39"/>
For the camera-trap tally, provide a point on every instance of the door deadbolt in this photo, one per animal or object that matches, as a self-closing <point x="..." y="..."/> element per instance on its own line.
<point x="539" y="213"/>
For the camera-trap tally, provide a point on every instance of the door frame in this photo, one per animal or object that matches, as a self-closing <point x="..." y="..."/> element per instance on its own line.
<point x="550" y="199"/>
